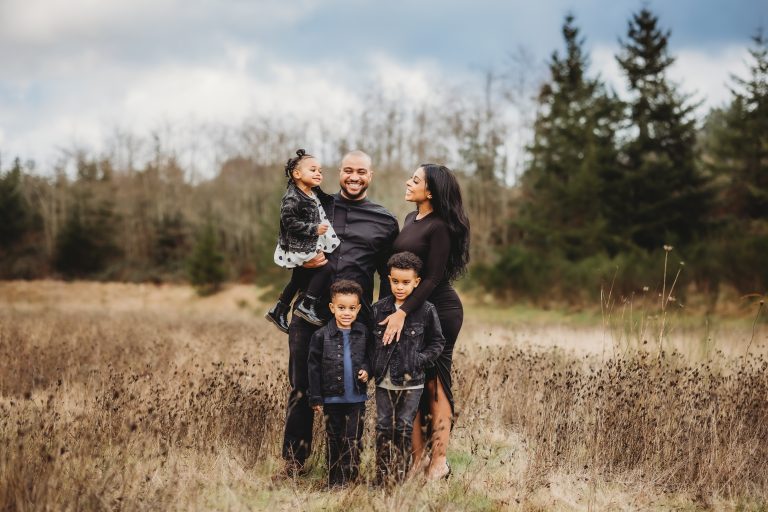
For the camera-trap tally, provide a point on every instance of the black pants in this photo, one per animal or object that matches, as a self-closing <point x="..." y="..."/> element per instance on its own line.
<point x="344" y="433"/>
<point x="297" y="438"/>
<point x="395" y="411"/>
<point x="315" y="281"/>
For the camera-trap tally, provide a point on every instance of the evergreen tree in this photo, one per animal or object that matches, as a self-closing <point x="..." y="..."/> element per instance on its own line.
<point x="86" y="246"/>
<point x="170" y="241"/>
<point x="658" y="196"/>
<point x="573" y="146"/>
<point x="737" y="142"/>
<point x="15" y="212"/>
<point x="75" y="248"/>
<point x="87" y="243"/>
<point x="735" y="145"/>
<point x="206" y="265"/>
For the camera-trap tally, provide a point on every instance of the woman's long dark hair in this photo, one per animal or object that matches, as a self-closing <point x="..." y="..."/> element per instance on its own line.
<point x="447" y="204"/>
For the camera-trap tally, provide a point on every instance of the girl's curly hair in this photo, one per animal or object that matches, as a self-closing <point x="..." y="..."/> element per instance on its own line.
<point x="291" y="164"/>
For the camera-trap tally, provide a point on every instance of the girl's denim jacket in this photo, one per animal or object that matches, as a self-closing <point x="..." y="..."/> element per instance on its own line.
<point x="299" y="218"/>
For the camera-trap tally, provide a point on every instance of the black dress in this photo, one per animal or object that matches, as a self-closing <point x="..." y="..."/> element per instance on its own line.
<point x="429" y="239"/>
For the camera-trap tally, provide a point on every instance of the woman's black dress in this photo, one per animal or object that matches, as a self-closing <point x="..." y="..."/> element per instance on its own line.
<point x="429" y="239"/>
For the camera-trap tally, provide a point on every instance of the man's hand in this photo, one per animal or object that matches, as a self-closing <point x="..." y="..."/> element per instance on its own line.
<point x="322" y="228"/>
<point x="317" y="408"/>
<point x="362" y="375"/>
<point x="394" y="323"/>
<point x="317" y="261"/>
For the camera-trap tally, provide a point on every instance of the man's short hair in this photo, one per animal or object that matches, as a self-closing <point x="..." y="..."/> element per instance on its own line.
<point x="346" y="287"/>
<point x="358" y="154"/>
<point x="405" y="261"/>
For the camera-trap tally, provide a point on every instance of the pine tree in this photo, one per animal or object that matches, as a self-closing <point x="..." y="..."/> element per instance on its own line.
<point x="206" y="265"/>
<point x="735" y="145"/>
<point x="15" y="211"/>
<point x="87" y="244"/>
<point x="170" y="242"/>
<point x="76" y="254"/>
<point x="573" y="146"/>
<point x="659" y="196"/>
<point x="737" y="142"/>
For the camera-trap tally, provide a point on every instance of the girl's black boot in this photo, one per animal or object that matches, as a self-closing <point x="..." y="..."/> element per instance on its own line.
<point x="307" y="309"/>
<point x="278" y="315"/>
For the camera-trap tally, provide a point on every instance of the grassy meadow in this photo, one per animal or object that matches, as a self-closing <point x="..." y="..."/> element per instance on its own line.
<point x="141" y="397"/>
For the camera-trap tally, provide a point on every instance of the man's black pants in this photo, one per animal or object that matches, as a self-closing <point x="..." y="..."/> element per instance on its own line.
<point x="297" y="438"/>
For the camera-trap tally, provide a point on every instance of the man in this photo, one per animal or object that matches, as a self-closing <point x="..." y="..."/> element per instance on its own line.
<point x="367" y="231"/>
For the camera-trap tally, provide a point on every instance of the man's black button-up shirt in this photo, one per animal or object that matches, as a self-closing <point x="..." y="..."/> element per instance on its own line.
<point x="366" y="230"/>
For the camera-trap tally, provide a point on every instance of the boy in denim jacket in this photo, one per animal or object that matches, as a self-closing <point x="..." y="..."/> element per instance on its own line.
<point x="399" y="368"/>
<point x="339" y="367"/>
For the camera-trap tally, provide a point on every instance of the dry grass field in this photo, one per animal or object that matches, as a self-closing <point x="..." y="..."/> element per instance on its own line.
<point x="137" y="397"/>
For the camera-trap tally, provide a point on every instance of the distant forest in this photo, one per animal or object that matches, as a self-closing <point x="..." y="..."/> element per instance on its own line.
<point x="600" y="186"/>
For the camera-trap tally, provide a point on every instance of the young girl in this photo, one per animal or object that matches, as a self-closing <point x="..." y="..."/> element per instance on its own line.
<point x="304" y="233"/>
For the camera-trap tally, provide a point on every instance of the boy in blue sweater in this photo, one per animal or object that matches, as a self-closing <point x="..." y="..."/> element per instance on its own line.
<point x="339" y="367"/>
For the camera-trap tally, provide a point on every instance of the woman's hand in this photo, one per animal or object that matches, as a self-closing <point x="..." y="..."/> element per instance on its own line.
<point x="394" y="323"/>
<point x="322" y="228"/>
<point x="362" y="375"/>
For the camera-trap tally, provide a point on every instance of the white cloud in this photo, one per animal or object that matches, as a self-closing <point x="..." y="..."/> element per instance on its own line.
<point x="412" y="82"/>
<point x="43" y="22"/>
<point x="73" y="71"/>
<point x="698" y="72"/>
<point x="707" y="75"/>
<point x="83" y="108"/>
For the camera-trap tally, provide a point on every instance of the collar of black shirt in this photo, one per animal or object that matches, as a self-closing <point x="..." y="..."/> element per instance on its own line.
<point x="351" y="202"/>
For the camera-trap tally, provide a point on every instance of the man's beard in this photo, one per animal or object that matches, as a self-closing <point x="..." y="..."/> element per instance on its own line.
<point x="354" y="196"/>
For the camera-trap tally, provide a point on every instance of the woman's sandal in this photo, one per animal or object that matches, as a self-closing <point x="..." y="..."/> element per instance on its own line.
<point x="442" y="476"/>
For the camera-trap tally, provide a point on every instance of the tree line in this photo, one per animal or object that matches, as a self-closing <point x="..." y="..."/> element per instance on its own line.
<point x="597" y="191"/>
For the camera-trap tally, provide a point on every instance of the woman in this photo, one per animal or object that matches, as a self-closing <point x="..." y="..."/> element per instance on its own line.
<point x="438" y="233"/>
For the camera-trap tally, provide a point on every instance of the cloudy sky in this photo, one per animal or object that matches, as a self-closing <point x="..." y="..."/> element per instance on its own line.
<point x="72" y="72"/>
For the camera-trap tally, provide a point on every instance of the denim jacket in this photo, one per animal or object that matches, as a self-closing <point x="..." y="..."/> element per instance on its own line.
<point x="299" y="218"/>
<point x="326" y="360"/>
<point x="421" y="343"/>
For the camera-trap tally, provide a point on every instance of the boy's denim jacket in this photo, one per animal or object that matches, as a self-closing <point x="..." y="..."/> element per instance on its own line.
<point x="326" y="360"/>
<point x="421" y="342"/>
<point x="299" y="218"/>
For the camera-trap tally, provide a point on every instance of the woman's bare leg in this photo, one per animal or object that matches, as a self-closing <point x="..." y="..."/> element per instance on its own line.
<point x="418" y="444"/>
<point x="441" y="429"/>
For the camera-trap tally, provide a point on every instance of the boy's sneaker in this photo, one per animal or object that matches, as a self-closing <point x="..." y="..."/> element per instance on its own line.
<point x="307" y="309"/>
<point x="278" y="315"/>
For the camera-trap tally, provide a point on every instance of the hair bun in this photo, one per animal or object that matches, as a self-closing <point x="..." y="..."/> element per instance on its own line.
<point x="291" y="164"/>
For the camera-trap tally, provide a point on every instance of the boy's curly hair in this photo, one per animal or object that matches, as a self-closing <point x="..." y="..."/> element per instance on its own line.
<point x="346" y="287"/>
<point x="405" y="261"/>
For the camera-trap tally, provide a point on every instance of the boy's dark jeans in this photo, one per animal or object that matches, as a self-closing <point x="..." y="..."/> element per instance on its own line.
<point x="395" y="411"/>
<point x="344" y="431"/>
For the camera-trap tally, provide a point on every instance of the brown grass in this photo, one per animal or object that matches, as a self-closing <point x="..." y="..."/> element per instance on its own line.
<point x="109" y="402"/>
